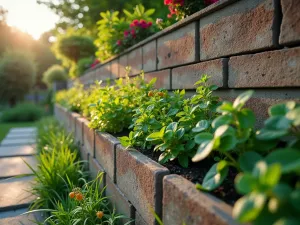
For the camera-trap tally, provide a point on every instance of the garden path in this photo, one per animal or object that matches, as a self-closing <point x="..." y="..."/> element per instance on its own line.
<point x="18" y="146"/>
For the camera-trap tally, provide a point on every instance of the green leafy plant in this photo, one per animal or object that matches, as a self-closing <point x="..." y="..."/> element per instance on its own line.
<point x="113" y="111"/>
<point x="13" y="66"/>
<point x="23" y="112"/>
<point x="54" y="73"/>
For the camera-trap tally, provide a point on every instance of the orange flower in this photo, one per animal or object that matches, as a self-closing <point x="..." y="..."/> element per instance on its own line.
<point x="150" y="94"/>
<point x="99" y="214"/>
<point x="161" y="94"/>
<point x="72" y="194"/>
<point x="79" y="197"/>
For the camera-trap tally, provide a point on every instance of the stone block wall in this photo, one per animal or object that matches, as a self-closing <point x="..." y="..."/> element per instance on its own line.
<point x="240" y="44"/>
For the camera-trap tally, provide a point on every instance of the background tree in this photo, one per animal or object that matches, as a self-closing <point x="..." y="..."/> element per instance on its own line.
<point x="54" y="73"/>
<point x="17" y="75"/>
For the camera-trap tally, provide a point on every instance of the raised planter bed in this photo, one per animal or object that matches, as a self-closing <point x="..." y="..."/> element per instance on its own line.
<point x="139" y="185"/>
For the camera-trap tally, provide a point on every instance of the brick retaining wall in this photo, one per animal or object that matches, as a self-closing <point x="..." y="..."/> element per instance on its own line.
<point x="239" y="43"/>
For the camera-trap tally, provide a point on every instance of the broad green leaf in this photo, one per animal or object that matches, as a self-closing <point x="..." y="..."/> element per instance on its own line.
<point x="294" y="115"/>
<point x="288" y="158"/>
<point x="260" y="169"/>
<point x="203" y="137"/>
<point x="213" y="87"/>
<point x="221" y="120"/>
<point x="247" y="208"/>
<point x="201" y="126"/>
<point x="203" y="151"/>
<point x="190" y="145"/>
<point x="172" y="126"/>
<point x="246" y="118"/>
<point x="179" y="133"/>
<point x="125" y="141"/>
<point x="183" y="160"/>
<point x="156" y="135"/>
<point x="248" y="160"/>
<point x="149" y="12"/>
<point x="172" y="112"/>
<point x="281" y="191"/>
<point x="267" y="135"/>
<point x="287" y="221"/>
<point x="295" y="199"/>
<point x="281" y="109"/>
<point x="245" y="183"/>
<point x="168" y="135"/>
<point x="278" y="123"/>
<point x="240" y="101"/>
<point x="272" y="176"/>
<point x="227" y="143"/>
<point x="164" y="157"/>
<point x="214" y="178"/>
<point x="224" y="130"/>
<point x="221" y="165"/>
<point x="226" y="107"/>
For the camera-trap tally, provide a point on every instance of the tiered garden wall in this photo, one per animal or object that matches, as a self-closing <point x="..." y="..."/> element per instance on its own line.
<point x="240" y="44"/>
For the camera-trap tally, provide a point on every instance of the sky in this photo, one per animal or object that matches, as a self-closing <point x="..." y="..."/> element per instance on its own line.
<point x="29" y="16"/>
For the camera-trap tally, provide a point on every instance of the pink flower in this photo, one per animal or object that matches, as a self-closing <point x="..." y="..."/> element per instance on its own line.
<point x="149" y="24"/>
<point x="126" y="33"/>
<point x="119" y="42"/>
<point x="135" y="22"/>
<point x="132" y="32"/>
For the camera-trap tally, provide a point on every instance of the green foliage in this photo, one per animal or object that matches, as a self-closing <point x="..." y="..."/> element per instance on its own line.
<point x="57" y="162"/>
<point x="72" y="47"/>
<point x="72" y="98"/>
<point x="23" y="112"/>
<point x="17" y="75"/>
<point x="171" y="122"/>
<point x="54" y="73"/>
<point x="113" y="111"/>
<point x="111" y="28"/>
<point x="83" y="65"/>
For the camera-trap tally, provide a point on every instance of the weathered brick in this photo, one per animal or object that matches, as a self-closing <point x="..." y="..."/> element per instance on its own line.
<point x="178" y="47"/>
<point x="162" y="78"/>
<point x="240" y="27"/>
<point x="262" y="99"/>
<point x="84" y="155"/>
<point x="122" y="65"/>
<point x="139" y="219"/>
<point x="59" y="113"/>
<point x="149" y="56"/>
<point x="140" y="179"/>
<point x="103" y="72"/>
<point x="114" y="68"/>
<point x="290" y="26"/>
<point x="95" y="169"/>
<point x="105" y="152"/>
<point x="279" y="68"/>
<point x="186" y="76"/>
<point x="72" y="121"/>
<point x="135" y="61"/>
<point x="79" y="130"/>
<point x="88" y="138"/>
<point x="183" y="203"/>
<point x="119" y="201"/>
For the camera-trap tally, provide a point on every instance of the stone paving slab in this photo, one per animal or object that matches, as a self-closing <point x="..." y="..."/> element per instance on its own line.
<point x="17" y="141"/>
<point x="14" y="193"/>
<point x="21" y="150"/>
<point x="23" y="129"/>
<point x="14" y="166"/>
<point x="14" y="217"/>
<point x="20" y="135"/>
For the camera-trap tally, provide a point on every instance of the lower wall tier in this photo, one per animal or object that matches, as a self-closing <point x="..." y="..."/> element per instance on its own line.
<point x="138" y="185"/>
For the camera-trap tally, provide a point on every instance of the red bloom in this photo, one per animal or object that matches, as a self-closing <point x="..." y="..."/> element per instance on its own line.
<point x="135" y="22"/>
<point x="126" y="33"/>
<point x="149" y="24"/>
<point x="119" y="42"/>
<point x="132" y="32"/>
<point x="143" y="24"/>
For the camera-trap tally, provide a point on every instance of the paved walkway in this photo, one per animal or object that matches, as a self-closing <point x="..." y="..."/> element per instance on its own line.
<point x="18" y="146"/>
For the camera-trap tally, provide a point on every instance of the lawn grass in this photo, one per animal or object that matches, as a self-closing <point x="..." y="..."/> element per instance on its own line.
<point x="5" y="127"/>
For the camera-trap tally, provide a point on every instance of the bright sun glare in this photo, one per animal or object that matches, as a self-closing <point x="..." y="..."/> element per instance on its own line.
<point x="29" y="16"/>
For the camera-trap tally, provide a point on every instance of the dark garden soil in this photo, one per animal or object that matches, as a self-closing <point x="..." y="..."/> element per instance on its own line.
<point x="196" y="173"/>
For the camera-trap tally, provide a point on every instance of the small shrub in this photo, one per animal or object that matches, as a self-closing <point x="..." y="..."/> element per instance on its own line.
<point x="24" y="112"/>
<point x="82" y="66"/>
<point x="54" y="73"/>
<point x="17" y="75"/>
